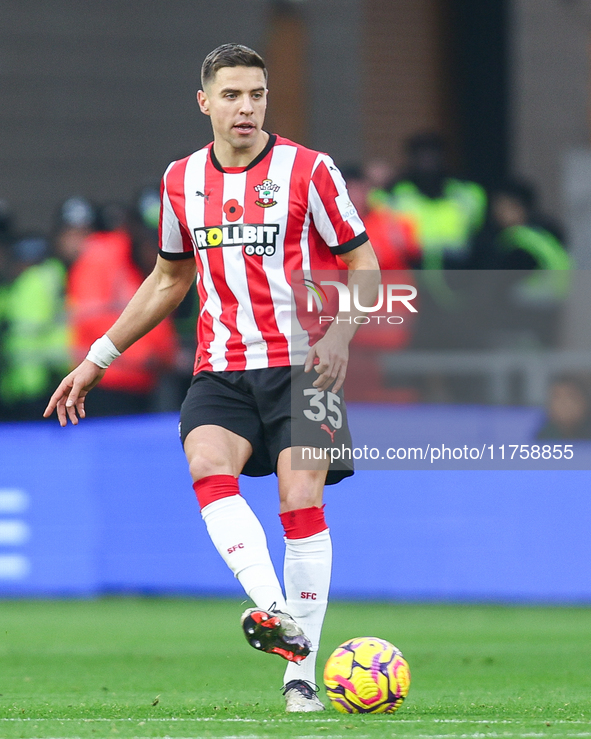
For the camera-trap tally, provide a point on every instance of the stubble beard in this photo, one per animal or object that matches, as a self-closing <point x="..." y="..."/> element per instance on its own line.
<point x="241" y="144"/>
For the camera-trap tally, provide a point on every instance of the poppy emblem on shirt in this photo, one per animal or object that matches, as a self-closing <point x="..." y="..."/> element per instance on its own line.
<point x="233" y="210"/>
<point x="266" y="192"/>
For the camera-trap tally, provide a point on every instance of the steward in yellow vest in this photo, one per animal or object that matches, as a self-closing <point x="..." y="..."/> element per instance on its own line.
<point x="35" y="342"/>
<point x="447" y="211"/>
<point x="534" y="267"/>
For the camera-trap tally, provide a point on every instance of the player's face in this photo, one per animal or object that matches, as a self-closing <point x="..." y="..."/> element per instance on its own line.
<point x="236" y="101"/>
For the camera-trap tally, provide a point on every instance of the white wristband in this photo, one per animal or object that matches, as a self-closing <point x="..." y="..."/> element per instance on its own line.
<point x="103" y="352"/>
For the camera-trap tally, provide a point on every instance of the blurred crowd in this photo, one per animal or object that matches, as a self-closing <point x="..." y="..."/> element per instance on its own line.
<point x="492" y="271"/>
<point x="60" y="291"/>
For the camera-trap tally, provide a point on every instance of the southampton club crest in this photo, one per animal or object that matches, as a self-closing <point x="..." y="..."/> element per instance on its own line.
<point x="266" y="191"/>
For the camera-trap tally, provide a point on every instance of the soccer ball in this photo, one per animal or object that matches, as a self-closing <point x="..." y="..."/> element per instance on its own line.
<point x="366" y="675"/>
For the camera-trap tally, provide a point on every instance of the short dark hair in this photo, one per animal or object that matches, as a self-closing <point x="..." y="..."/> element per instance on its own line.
<point x="230" y="55"/>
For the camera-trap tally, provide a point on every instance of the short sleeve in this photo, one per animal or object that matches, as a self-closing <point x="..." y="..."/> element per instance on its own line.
<point x="173" y="239"/>
<point x="332" y="211"/>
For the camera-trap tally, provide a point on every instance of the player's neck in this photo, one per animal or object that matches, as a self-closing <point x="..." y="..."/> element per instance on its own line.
<point x="228" y="156"/>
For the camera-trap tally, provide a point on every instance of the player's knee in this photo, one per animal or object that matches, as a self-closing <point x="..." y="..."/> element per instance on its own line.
<point x="207" y="462"/>
<point x="300" y="497"/>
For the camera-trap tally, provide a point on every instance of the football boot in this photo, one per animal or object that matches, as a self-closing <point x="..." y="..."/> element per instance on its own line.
<point x="275" y="632"/>
<point x="301" y="697"/>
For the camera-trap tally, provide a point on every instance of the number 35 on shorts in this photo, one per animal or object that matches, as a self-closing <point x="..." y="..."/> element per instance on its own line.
<point x="323" y="406"/>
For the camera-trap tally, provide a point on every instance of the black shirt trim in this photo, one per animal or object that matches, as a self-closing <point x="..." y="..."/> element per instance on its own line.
<point x="350" y="245"/>
<point x="175" y="255"/>
<point x="270" y="144"/>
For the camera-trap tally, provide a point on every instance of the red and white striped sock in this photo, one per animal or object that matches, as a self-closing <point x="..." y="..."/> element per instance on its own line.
<point x="308" y="564"/>
<point x="239" y="538"/>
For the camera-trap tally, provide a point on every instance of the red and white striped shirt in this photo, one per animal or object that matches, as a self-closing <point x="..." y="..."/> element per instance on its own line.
<point x="248" y="230"/>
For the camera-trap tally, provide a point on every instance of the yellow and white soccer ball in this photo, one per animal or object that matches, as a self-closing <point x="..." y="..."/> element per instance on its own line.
<point x="366" y="675"/>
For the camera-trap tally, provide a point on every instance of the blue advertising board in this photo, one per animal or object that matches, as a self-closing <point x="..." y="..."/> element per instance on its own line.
<point x="108" y="507"/>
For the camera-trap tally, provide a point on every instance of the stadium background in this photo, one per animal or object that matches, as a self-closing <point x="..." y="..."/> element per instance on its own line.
<point x="99" y="97"/>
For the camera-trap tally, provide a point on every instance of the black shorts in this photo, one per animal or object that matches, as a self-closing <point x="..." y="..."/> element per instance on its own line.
<point x="273" y="408"/>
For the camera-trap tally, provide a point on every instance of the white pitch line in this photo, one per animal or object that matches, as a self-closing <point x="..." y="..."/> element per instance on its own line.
<point x="357" y="736"/>
<point x="197" y="719"/>
<point x="510" y="721"/>
<point x="477" y="735"/>
<point x="224" y="720"/>
<point x="483" y="735"/>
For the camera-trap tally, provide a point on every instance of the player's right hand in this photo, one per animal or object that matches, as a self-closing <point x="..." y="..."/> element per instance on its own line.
<point x="69" y="397"/>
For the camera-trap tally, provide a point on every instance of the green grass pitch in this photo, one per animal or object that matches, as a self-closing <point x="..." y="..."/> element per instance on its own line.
<point x="181" y="668"/>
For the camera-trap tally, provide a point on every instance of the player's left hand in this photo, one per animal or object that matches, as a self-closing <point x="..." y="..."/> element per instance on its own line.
<point x="329" y="357"/>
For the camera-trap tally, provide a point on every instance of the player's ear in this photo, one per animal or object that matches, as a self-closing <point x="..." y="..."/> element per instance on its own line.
<point x="203" y="102"/>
